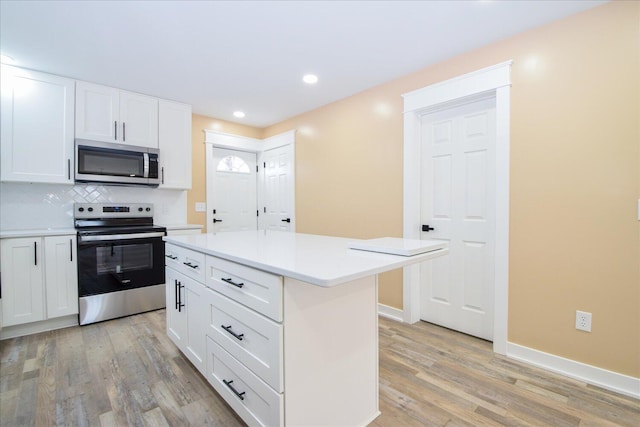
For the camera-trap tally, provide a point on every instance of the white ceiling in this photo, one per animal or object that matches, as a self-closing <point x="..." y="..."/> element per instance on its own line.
<point x="222" y="56"/>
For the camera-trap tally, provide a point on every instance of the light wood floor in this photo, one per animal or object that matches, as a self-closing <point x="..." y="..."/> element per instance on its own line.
<point x="127" y="372"/>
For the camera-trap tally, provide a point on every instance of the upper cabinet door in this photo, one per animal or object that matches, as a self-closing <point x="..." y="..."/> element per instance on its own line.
<point x="139" y="117"/>
<point x="97" y="113"/>
<point x="175" y="144"/>
<point x="111" y="115"/>
<point x="37" y="127"/>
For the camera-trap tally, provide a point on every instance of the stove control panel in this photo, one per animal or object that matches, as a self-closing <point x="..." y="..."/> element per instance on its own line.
<point x="112" y="210"/>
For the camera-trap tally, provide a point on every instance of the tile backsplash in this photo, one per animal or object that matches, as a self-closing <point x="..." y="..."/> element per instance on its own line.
<point x="28" y="206"/>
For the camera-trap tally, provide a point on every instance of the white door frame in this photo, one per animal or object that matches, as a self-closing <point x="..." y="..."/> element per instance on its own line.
<point x="215" y="139"/>
<point x="491" y="81"/>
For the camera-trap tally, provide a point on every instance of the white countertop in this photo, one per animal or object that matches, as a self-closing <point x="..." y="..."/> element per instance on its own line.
<point x="320" y="260"/>
<point x="37" y="232"/>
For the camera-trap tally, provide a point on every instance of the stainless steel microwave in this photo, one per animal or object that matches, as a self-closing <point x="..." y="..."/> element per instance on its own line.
<point x="109" y="163"/>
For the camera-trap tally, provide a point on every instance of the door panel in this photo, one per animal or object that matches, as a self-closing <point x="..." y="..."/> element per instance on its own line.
<point x="233" y="181"/>
<point x="458" y="169"/>
<point x="278" y="189"/>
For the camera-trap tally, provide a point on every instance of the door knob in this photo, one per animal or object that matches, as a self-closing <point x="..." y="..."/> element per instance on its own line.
<point x="427" y="228"/>
<point x="216" y="220"/>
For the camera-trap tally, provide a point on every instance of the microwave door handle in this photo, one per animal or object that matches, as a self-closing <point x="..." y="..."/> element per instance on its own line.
<point x="146" y="165"/>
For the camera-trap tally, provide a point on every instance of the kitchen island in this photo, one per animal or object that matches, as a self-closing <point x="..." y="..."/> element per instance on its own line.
<point x="283" y="325"/>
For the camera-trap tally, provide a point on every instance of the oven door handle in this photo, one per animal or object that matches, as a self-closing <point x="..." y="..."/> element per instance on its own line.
<point x="111" y="237"/>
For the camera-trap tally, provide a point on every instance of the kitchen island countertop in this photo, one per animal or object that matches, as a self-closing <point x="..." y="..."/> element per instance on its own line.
<point x="320" y="260"/>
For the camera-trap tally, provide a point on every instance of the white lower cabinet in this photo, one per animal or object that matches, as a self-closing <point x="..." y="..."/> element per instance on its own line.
<point x="186" y="316"/>
<point x="249" y="337"/>
<point x="278" y="350"/>
<point x="39" y="279"/>
<point x="60" y="275"/>
<point x="251" y="398"/>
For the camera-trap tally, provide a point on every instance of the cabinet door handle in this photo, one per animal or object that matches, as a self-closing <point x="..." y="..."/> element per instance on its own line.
<point x="162" y="169"/>
<point x="231" y="282"/>
<point x="171" y="256"/>
<point x="228" y="384"/>
<point x="286" y="220"/>
<point x="71" y="250"/>
<point x="35" y="253"/>
<point x="188" y="264"/>
<point x="69" y="169"/>
<point x="124" y="135"/>
<point x="177" y="291"/>
<point x="239" y="337"/>
<point x="180" y="286"/>
<point x="115" y="129"/>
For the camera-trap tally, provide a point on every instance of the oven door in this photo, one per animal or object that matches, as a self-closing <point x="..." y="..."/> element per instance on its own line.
<point x="117" y="262"/>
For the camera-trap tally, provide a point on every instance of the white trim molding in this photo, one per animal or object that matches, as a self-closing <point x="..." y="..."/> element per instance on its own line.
<point x="494" y="81"/>
<point x="610" y="380"/>
<point x="232" y="142"/>
<point x="390" y="312"/>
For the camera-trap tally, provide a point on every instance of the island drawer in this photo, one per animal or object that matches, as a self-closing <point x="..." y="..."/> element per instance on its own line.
<point x="248" y="395"/>
<point x="253" y="339"/>
<point x="186" y="261"/>
<point x="254" y="288"/>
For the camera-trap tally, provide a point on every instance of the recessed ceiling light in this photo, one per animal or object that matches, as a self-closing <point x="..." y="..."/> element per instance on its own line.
<point x="238" y="114"/>
<point x="310" y="79"/>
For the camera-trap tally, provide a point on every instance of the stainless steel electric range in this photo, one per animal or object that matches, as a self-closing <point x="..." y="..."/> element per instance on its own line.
<point x="120" y="260"/>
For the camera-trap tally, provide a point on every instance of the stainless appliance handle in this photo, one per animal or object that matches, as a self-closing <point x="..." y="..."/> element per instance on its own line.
<point x="108" y="237"/>
<point x="146" y="165"/>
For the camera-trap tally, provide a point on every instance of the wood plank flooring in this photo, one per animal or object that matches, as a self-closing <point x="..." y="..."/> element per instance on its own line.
<point x="126" y="372"/>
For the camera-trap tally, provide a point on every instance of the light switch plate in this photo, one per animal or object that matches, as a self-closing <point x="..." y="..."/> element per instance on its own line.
<point x="201" y="207"/>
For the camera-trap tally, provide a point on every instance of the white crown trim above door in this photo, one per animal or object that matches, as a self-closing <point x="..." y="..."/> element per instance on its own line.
<point x="494" y="81"/>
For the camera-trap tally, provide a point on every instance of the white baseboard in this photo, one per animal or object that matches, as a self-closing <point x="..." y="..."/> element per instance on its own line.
<point x="390" y="312"/>
<point x="610" y="380"/>
<point x="37" y="327"/>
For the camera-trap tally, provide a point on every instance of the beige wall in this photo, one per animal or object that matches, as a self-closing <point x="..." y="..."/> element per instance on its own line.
<point x="198" y="192"/>
<point x="575" y="160"/>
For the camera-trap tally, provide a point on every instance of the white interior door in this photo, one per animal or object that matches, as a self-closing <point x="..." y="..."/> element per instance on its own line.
<point x="458" y="203"/>
<point x="279" y="189"/>
<point x="231" y="191"/>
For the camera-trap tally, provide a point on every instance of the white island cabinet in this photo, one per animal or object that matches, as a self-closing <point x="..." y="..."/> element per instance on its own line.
<point x="283" y="325"/>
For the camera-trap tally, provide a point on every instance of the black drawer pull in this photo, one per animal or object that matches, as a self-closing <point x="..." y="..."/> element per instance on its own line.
<point x="228" y="384"/>
<point x="231" y="282"/>
<point x="177" y="292"/>
<point x="180" y="302"/>
<point x="171" y="256"/>
<point x="188" y="264"/>
<point x="228" y="329"/>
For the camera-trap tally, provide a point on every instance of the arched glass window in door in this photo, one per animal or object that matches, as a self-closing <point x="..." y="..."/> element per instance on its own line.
<point x="233" y="164"/>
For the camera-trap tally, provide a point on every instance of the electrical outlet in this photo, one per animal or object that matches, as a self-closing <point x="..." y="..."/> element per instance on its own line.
<point x="583" y="321"/>
<point x="201" y="207"/>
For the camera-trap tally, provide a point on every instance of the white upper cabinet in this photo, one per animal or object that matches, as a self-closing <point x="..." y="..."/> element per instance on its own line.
<point x="139" y="117"/>
<point x="97" y="112"/>
<point x="36" y="127"/>
<point x="175" y="144"/>
<point x="111" y="115"/>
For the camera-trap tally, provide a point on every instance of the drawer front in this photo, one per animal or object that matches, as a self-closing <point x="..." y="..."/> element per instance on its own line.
<point x="248" y="395"/>
<point x="256" y="289"/>
<point x="186" y="261"/>
<point x="250" y="337"/>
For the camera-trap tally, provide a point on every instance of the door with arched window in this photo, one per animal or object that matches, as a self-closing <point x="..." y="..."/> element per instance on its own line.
<point x="232" y="187"/>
